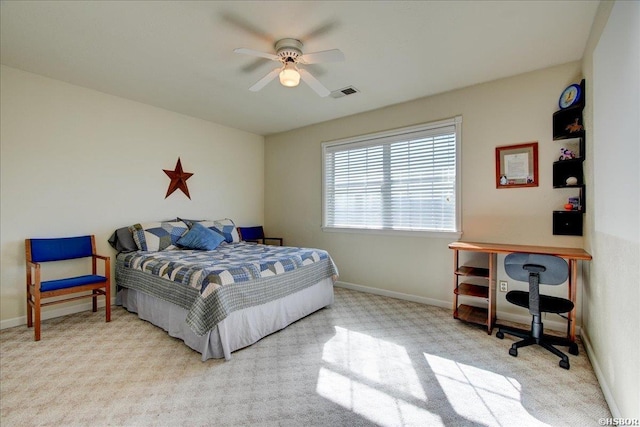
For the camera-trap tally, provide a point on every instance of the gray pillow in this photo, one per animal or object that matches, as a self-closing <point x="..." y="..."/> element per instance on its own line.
<point x="122" y="240"/>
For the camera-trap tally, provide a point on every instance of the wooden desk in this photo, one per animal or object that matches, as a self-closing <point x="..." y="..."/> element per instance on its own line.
<point x="488" y="316"/>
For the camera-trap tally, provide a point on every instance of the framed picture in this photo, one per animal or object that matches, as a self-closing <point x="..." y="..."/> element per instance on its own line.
<point x="517" y="165"/>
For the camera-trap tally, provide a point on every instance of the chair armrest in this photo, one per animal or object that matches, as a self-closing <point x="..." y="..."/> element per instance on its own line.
<point x="33" y="274"/>
<point x="107" y="264"/>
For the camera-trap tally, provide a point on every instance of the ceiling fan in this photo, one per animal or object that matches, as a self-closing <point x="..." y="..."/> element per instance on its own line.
<point x="289" y="54"/>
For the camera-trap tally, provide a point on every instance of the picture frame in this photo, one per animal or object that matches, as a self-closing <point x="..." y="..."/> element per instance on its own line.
<point x="517" y="165"/>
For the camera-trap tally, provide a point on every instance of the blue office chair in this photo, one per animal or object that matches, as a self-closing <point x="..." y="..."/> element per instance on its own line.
<point x="256" y="235"/>
<point x="538" y="269"/>
<point x="39" y="251"/>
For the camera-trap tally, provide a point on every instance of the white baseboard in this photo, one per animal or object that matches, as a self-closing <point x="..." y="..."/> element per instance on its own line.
<point x="606" y="390"/>
<point x="52" y="313"/>
<point x="392" y="294"/>
<point x="555" y="325"/>
<point x="560" y="326"/>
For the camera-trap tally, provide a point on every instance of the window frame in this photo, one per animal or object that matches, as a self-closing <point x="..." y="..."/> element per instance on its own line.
<point x="399" y="133"/>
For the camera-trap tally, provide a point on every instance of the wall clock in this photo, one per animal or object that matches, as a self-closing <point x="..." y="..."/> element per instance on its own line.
<point x="570" y="96"/>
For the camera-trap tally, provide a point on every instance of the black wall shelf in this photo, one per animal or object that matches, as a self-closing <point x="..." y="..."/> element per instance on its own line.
<point x="568" y="124"/>
<point x="565" y="169"/>
<point x="567" y="223"/>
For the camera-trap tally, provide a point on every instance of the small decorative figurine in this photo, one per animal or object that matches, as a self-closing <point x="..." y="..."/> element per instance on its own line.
<point x="574" y="127"/>
<point x="566" y="154"/>
<point x="574" y="202"/>
<point x="572" y="180"/>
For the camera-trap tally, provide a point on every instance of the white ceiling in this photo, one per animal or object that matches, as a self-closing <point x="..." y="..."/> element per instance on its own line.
<point x="178" y="55"/>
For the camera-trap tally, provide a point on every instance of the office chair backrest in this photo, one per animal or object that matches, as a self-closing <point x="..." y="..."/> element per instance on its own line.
<point x="555" y="271"/>
<point x="43" y="250"/>
<point x="536" y="269"/>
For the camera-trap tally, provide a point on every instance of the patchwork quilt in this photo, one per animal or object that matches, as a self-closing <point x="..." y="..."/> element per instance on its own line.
<point x="212" y="284"/>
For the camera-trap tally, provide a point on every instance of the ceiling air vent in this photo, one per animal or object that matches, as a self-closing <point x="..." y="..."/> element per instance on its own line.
<point x="349" y="90"/>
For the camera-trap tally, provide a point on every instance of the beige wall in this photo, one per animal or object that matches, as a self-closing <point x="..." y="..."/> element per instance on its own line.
<point x="76" y="161"/>
<point x="611" y="329"/>
<point x="503" y="112"/>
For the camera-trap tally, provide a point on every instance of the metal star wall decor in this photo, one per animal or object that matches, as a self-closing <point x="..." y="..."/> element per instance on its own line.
<point x="178" y="180"/>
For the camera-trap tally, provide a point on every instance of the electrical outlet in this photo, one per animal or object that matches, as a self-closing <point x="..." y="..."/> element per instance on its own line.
<point x="503" y="286"/>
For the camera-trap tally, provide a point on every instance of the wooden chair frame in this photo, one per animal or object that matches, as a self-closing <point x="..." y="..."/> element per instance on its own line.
<point x="35" y="296"/>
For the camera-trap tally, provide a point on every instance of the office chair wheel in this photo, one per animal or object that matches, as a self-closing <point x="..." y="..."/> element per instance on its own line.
<point x="564" y="364"/>
<point x="573" y="349"/>
<point x="513" y="352"/>
<point x="500" y="334"/>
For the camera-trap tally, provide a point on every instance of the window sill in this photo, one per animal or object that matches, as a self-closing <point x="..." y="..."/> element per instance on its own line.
<point x="455" y="235"/>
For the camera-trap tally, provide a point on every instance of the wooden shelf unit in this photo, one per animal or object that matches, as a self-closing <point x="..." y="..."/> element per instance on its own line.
<point x="472" y="290"/>
<point x="481" y="289"/>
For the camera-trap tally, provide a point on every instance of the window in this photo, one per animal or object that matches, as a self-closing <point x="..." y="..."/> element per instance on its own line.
<point x="402" y="180"/>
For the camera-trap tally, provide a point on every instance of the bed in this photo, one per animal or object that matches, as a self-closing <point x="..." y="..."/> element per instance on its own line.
<point x="222" y="299"/>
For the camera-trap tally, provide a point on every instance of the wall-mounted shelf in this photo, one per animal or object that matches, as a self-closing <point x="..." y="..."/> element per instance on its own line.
<point x="564" y="169"/>
<point x="567" y="223"/>
<point x="568" y="125"/>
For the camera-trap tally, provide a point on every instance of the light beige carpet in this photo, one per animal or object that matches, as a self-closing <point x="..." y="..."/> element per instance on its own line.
<point x="366" y="360"/>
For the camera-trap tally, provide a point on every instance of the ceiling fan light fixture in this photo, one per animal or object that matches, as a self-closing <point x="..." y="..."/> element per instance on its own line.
<point x="289" y="55"/>
<point x="289" y="76"/>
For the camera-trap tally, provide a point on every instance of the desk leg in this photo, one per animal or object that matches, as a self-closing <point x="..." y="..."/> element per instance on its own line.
<point x="455" y="283"/>
<point x="491" y="309"/>
<point x="573" y="286"/>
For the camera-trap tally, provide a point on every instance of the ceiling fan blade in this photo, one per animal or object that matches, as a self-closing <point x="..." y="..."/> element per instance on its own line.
<point x="319" y="31"/>
<point x="333" y="55"/>
<point x="247" y="26"/>
<point x="265" y="80"/>
<point x="257" y="53"/>
<point x="254" y="65"/>
<point x="314" y="83"/>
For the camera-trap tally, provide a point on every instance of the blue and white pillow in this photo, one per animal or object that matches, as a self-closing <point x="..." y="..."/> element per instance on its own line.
<point x="226" y="227"/>
<point x="201" y="238"/>
<point x="158" y="236"/>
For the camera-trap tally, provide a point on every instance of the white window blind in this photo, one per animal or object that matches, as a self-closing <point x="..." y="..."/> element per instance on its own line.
<point x="400" y="180"/>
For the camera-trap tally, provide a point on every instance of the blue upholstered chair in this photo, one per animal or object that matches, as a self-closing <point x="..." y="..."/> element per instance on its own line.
<point x="256" y="235"/>
<point x="41" y="251"/>
<point x="538" y="269"/>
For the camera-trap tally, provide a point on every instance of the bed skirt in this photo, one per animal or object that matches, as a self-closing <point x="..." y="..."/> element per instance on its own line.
<point x="239" y="329"/>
